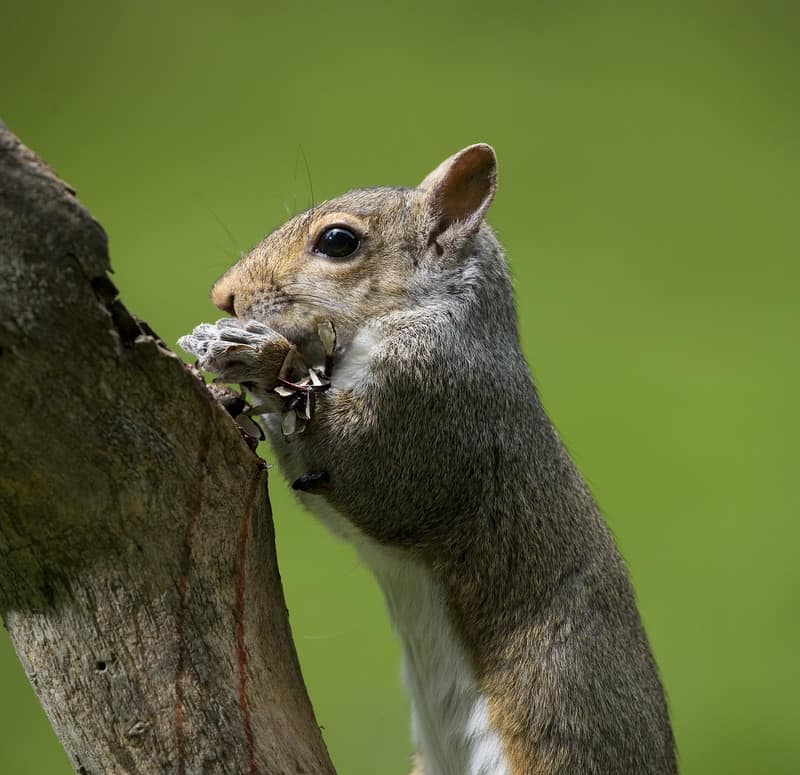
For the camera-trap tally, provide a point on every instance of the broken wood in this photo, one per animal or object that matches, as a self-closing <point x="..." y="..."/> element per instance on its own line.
<point x="138" y="577"/>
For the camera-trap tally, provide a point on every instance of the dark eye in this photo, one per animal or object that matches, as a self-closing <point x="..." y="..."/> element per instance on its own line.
<point x="337" y="242"/>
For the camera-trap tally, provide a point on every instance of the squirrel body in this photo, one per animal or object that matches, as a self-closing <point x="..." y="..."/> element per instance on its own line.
<point x="523" y="649"/>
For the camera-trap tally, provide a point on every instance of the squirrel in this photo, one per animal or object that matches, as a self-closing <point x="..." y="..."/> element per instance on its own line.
<point x="429" y="450"/>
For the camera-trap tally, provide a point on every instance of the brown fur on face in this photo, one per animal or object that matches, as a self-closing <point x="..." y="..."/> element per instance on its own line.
<point x="287" y="284"/>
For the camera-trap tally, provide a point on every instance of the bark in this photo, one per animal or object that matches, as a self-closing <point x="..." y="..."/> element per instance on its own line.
<point x="138" y="577"/>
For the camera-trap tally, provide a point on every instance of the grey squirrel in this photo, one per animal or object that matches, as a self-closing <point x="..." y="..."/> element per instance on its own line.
<point x="429" y="450"/>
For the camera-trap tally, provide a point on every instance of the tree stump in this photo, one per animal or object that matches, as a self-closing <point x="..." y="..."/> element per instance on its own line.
<point x="138" y="577"/>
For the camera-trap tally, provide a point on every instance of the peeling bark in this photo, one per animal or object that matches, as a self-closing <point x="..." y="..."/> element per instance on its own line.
<point x="138" y="577"/>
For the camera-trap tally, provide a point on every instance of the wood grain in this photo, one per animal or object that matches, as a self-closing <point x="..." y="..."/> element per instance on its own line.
<point x="138" y="576"/>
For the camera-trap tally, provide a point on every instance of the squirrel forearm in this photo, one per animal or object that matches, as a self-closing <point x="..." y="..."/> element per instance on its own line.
<point x="407" y="456"/>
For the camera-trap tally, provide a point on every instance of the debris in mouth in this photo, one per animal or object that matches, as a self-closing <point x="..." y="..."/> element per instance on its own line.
<point x="298" y="382"/>
<point x="300" y="396"/>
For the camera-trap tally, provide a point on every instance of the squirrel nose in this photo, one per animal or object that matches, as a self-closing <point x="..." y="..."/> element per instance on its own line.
<point x="226" y="304"/>
<point x="223" y="297"/>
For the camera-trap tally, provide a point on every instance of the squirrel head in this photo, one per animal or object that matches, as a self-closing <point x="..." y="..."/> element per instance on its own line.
<point x="358" y="256"/>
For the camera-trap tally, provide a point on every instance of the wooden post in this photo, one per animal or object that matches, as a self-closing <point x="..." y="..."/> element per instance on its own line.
<point x="138" y="577"/>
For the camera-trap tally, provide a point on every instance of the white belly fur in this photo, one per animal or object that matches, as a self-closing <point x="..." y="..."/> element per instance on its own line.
<point x="449" y="714"/>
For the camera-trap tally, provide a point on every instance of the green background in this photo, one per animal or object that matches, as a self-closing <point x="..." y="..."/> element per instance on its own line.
<point x="649" y="189"/>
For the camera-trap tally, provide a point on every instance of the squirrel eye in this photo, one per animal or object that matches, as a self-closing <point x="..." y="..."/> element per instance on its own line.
<point x="337" y="242"/>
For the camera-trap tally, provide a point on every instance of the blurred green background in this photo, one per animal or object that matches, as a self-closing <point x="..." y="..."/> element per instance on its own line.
<point x="649" y="188"/>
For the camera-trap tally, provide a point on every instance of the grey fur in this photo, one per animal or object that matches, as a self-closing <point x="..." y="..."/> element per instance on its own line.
<point x="444" y="450"/>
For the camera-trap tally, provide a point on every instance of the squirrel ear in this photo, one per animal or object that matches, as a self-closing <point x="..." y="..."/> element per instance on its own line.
<point x="461" y="188"/>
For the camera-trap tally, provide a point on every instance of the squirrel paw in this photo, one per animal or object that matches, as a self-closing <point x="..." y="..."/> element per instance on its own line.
<point x="244" y="352"/>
